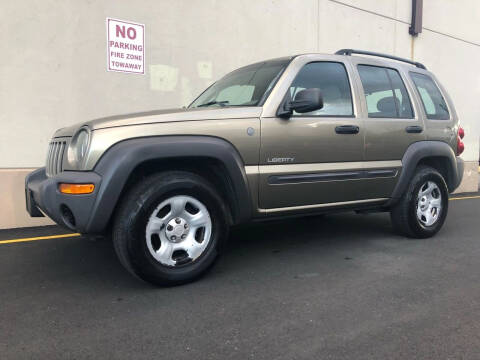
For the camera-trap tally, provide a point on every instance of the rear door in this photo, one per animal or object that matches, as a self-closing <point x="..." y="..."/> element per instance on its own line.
<point x="392" y="122"/>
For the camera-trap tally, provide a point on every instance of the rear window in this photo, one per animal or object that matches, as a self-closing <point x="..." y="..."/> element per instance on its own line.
<point x="432" y="99"/>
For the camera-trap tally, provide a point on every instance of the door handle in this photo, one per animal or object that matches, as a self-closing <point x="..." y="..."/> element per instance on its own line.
<point x="414" y="129"/>
<point x="347" y="129"/>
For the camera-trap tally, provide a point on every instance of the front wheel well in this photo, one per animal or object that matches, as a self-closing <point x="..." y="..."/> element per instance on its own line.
<point x="209" y="168"/>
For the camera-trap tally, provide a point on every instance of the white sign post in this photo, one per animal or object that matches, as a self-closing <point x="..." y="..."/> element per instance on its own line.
<point x="125" y="46"/>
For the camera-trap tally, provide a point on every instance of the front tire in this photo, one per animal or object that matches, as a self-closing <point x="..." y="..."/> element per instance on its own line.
<point x="170" y="228"/>
<point x="423" y="208"/>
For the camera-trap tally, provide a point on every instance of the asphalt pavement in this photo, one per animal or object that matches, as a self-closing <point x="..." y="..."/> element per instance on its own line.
<point x="342" y="286"/>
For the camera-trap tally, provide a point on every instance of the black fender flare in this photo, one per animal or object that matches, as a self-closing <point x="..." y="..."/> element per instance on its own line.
<point x="421" y="150"/>
<point x="118" y="162"/>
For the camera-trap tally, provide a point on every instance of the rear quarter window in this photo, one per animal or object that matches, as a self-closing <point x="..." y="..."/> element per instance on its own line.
<point x="432" y="99"/>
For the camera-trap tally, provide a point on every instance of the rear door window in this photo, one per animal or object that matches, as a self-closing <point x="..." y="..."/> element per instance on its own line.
<point x="385" y="93"/>
<point x="432" y="99"/>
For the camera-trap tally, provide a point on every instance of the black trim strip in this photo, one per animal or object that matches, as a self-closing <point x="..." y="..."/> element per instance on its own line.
<point x="331" y="176"/>
<point x="381" y="173"/>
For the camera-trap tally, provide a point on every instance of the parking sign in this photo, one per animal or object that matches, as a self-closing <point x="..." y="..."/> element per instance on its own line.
<point x="125" y="46"/>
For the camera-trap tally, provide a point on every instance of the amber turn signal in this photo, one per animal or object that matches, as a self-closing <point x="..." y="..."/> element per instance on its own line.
<point x="76" y="189"/>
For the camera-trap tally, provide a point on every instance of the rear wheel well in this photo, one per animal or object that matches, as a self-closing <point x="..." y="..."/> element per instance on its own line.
<point x="209" y="168"/>
<point x="442" y="165"/>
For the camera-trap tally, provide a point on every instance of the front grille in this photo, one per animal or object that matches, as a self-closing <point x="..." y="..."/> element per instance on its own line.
<point x="55" y="156"/>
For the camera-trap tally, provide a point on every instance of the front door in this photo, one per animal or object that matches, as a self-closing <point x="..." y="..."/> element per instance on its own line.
<point x="313" y="158"/>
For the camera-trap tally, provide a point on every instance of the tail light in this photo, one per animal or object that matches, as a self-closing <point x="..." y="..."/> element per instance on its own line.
<point x="460" y="144"/>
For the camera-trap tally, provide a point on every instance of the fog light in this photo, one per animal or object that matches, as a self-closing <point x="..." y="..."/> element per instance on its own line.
<point x="76" y="189"/>
<point x="67" y="216"/>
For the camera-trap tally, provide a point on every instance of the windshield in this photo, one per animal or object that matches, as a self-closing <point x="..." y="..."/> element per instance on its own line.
<point x="247" y="86"/>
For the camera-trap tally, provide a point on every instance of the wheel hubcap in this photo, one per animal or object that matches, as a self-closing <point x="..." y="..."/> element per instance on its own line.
<point x="178" y="231"/>
<point x="429" y="203"/>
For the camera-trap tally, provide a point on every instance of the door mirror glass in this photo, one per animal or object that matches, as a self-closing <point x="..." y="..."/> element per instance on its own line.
<point x="305" y="101"/>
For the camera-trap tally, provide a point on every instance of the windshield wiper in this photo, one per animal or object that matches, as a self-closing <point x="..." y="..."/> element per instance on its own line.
<point x="221" y="103"/>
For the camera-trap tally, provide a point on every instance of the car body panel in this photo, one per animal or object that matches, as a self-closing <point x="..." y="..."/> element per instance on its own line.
<point x="308" y="184"/>
<point x="386" y="138"/>
<point x="164" y="116"/>
<point x="312" y="141"/>
<point x="231" y="130"/>
<point x="306" y="140"/>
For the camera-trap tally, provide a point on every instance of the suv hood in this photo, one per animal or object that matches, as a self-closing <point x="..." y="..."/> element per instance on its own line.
<point x="165" y="116"/>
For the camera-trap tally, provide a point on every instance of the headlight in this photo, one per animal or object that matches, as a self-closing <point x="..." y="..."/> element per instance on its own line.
<point x="77" y="151"/>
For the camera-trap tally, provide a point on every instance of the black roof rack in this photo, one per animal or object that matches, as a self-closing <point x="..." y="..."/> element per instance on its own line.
<point x="362" y="52"/>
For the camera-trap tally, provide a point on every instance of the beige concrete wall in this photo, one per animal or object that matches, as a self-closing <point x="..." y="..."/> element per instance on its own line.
<point x="470" y="178"/>
<point x="12" y="211"/>
<point x="54" y="58"/>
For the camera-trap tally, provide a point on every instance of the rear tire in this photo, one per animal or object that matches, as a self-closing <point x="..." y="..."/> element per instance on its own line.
<point x="155" y="230"/>
<point x="423" y="208"/>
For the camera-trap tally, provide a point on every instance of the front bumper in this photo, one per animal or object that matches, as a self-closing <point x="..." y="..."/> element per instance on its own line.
<point x="73" y="211"/>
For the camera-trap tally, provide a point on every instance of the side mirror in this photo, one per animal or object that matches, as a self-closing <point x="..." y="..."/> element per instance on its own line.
<point x="305" y="101"/>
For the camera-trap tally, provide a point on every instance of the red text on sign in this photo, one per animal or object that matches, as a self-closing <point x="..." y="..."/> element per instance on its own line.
<point x="131" y="32"/>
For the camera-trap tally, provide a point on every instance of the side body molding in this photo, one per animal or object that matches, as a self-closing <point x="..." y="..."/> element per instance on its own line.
<point x="118" y="162"/>
<point x="422" y="150"/>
